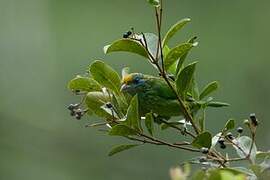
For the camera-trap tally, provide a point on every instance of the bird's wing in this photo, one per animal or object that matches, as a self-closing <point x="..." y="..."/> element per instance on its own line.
<point x="161" y="88"/>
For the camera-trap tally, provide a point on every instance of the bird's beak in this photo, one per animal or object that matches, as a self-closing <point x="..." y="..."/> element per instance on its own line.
<point x="124" y="87"/>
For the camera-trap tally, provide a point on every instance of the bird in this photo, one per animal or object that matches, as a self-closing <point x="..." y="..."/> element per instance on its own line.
<point x="154" y="95"/>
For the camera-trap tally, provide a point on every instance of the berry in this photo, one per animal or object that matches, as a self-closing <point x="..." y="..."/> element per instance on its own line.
<point x="222" y="146"/>
<point x="127" y="34"/>
<point x="202" y="159"/>
<point x="72" y="113"/>
<point x="253" y="119"/>
<point x="109" y="105"/>
<point x="71" y="107"/>
<point x="78" y="117"/>
<point x="204" y="150"/>
<point x="240" y="130"/>
<point x="221" y="141"/>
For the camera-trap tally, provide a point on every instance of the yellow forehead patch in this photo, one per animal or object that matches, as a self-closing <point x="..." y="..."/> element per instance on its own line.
<point x="127" y="79"/>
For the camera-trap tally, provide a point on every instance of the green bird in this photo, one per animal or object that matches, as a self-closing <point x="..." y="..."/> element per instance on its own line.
<point x="154" y="95"/>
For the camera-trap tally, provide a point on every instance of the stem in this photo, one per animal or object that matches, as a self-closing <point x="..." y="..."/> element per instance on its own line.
<point x="168" y="144"/>
<point x="186" y="113"/>
<point x="177" y="128"/>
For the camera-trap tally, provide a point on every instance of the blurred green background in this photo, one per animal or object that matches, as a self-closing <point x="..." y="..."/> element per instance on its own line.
<point x="44" y="43"/>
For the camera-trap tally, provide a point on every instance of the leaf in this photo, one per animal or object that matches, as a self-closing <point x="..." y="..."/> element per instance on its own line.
<point x="176" y="53"/>
<point x="149" y="123"/>
<point x="95" y="100"/>
<point x="230" y="124"/>
<point x="133" y="118"/>
<point x="122" y="130"/>
<point x="208" y="89"/>
<point x="262" y="155"/>
<point x="126" y="45"/>
<point x="240" y="170"/>
<point x="182" y="59"/>
<point x="120" y="148"/>
<point x="151" y="41"/>
<point x="194" y="89"/>
<point x="166" y="50"/>
<point x="244" y="142"/>
<point x="155" y="3"/>
<point x="202" y="120"/>
<point x="176" y="27"/>
<point x="83" y="84"/>
<point x="215" y="140"/>
<point x="184" y="79"/>
<point x="199" y="175"/>
<point x="106" y="76"/>
<point x="217" y="104"/>
<point x="203" y="140"/>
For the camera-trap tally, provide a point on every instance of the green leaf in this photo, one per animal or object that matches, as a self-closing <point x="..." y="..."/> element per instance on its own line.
<point x="240" y="170"/>
<point x="199" y="175"/>
<point x="202" y="120"/>
<point x="203" y="140"/>
<point x="133" y="118"/>
<point x="122" y="130"/>
<point x="155" y="3"/>
<point x="230" y="124"/>
<point x="120" y="148"/>
<point x="166" y="50"/>
<point x="126" y="45"/>
<point x="182" y="59"/>
<point x="176" y="27"/>
<point x="175" y="53"/>
<point x="245" y="142"/>
<point x="209" y="88"/>
<point x="149" y="123"/>
<point x="106" y="76"/>
<point x="83" y="84"/>
<point x="94" y="101"/>
<point x="184" y="79"/>
<point x="217" y="104"/>
<point x="194" y="89"/>
<point x="262" y="155"/>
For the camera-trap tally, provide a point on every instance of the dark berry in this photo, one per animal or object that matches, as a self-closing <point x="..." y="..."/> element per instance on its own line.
<point x="204" y="150"/>
<point x="221" y="141"/>
<point x="240" y="130"/>
<point x="202" y="159"/>
<point x="222" y="146"/>
<point x="127" y="34"/>
<point x="78" y="117"/>
<point x="71" y="107"/>
<point x="253" y="119"/>
<point x="229" y="135"/>
<point x="72" y="113"/>
<point x="109" y="105"/>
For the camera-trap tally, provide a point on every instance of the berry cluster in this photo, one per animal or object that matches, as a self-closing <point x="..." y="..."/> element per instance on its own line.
<point x="76" y="111"/>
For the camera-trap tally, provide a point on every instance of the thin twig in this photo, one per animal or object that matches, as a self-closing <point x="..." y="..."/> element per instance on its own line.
<point x="178" y="128"/>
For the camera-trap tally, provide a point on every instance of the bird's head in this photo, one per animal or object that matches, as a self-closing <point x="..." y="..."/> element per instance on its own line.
<point x="133" y="83"/>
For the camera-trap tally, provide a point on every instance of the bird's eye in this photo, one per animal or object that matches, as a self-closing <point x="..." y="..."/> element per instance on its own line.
<point x="136" y="80"/>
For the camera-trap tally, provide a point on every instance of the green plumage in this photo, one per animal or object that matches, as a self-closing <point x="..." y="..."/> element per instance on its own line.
<point x="154" y="95"/>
